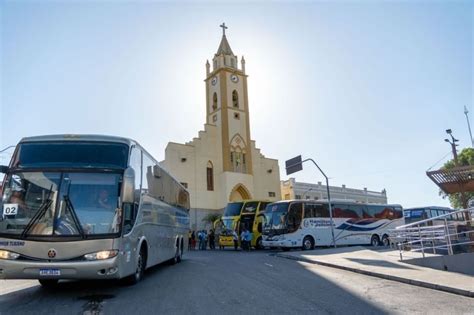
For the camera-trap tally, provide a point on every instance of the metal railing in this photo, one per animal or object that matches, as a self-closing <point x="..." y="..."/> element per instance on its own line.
<point x="445" y="234"/>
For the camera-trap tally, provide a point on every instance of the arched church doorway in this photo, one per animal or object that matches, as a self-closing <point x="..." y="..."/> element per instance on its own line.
<point x="239" y="193"/>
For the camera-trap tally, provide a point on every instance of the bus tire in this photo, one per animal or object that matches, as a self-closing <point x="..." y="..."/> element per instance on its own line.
<point x="48" y="283"/>
<point x="308" y="243"/>
<point x="375" y="240"/>
<point x="140" y="268"/>
<point x="385" y="241"/>
<point x="177" y="254"/>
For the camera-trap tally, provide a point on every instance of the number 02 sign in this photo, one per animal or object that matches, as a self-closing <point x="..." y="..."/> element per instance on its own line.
<point x="10" y="209"/>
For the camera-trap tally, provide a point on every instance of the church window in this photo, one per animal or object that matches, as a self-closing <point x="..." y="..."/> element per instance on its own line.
<point x="210" y="176"/>
<point x="236" y="115"/>
<point x="214" y="101"/>
<point x="271" y="194"/>
<point x="232" y="62"/>
<point x="235" y="99"/>
<point x="215" y="64"/>
<point x="237" y="159"/>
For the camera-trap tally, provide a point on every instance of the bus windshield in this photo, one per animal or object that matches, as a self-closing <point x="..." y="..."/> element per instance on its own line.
<point x="233" y="209"/>
<point x="55" y="204"/>
<point x="71" y="154"/>
<point x="275" y="217"/>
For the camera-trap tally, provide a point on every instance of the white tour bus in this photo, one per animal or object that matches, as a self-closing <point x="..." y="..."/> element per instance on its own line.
<point x="306" y="223"/>
<point x="88" y="207"/>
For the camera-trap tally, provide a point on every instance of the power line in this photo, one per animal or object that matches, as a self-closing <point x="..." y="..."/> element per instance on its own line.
<point x="439" y="161"/>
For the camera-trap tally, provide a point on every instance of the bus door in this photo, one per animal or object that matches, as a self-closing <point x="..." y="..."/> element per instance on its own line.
<point x="246" y="221"/>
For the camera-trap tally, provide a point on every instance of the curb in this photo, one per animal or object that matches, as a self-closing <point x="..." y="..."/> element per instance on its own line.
<point x="384" y="276"/>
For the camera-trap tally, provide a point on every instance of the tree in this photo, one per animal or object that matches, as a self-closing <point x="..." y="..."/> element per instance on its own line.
<point x="210" y="218"/>
<point x="465" y="158"/>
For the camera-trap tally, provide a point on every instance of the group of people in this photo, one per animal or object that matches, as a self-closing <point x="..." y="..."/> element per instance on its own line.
<point x="203" y="237"/>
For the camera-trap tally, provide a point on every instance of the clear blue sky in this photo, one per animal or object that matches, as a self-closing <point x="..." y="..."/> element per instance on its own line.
<point x="367" y="88"/>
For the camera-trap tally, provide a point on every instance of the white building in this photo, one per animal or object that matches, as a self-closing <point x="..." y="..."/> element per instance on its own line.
<point x="223" y="164"/>
<point x="291" y="189"/>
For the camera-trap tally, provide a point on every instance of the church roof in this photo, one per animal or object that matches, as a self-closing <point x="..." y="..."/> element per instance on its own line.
<point x="224" y="47"/>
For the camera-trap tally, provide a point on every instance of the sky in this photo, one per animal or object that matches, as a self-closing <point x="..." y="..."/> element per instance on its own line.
<point x="365" y="88"/>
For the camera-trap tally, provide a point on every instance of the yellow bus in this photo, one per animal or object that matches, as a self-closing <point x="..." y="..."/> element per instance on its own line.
<point x="248" y="214"/>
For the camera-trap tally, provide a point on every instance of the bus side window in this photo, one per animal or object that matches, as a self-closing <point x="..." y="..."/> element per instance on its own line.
<point x="309" y="211"/>
<point x="322" y="211"/>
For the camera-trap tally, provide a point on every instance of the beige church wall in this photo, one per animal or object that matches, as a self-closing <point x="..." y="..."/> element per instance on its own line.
<point x="237" y="126"/>
<point x="265" y="181"/>
<point x="206" y="150"/>
<point x="214" y="89"/>
<point x="229" y="181"/>
<point x="231" y="86"/>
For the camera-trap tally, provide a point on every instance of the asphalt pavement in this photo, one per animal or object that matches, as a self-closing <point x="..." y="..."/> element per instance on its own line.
<point x="228" y="282"/>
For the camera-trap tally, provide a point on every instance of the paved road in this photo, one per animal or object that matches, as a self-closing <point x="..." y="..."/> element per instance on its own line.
<point x="233" y="283"/>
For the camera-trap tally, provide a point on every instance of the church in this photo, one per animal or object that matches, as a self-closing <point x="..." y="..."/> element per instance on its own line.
<point x="223" y="164"/>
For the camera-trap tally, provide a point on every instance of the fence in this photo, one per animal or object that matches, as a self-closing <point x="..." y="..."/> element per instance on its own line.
<point x="445" y="234"/>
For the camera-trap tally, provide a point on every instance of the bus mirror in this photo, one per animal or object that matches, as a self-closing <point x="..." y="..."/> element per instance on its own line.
<point x="128" y="186"/>
<point x="3" y="169"/>
<point x="156" y="171"/>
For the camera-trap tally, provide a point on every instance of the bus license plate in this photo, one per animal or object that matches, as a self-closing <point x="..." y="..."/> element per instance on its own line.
<point x="50" y="272"/>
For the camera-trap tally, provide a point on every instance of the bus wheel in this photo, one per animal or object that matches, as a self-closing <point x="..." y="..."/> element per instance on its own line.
<point x="140" y="269"/>
<point x="48" y="283"/>
<point x="375" y="240"/>
<point x="385" y="241"/>
<point x="308" y="243"/>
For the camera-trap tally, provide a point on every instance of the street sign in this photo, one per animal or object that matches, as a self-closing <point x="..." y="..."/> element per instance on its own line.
<point x="293" y="165"/>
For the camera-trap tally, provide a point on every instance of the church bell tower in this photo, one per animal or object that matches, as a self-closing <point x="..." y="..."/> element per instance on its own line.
<point x="227" y="107"/>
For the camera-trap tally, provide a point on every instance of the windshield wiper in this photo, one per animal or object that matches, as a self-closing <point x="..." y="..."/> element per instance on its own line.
<point x="42" y="209"/>
<point x="74" y="216"/>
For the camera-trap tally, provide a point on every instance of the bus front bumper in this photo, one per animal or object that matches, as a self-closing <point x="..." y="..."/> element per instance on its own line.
<point x="97" y="269"/>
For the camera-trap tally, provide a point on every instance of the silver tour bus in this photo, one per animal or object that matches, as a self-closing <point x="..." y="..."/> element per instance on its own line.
<point x="88" y="207"/>
<point x="306" y="223"/>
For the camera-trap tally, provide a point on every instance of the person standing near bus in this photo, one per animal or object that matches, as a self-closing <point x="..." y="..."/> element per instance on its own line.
<point x="248" y="239"/>
<point x="244" y="239"/>
<point x="190" y="240"/>
<point x="193" y="240"/>
<point x="212" y="239"/>
<point x="235" y="237"/>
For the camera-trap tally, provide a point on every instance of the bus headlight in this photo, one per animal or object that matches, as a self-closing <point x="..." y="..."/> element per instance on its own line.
<point x="5" y="254"/>
<point x="104" y="254"/>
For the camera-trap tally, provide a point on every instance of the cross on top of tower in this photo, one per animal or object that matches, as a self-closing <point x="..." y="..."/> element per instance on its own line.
<point x="223" y="28"/>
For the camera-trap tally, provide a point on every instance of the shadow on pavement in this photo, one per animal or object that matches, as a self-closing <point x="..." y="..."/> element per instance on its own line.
<point x="378" y="263"/>
<point x="206" y="282"/>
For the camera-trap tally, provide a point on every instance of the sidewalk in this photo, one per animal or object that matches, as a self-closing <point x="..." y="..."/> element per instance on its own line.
<point x="384" y="263"/>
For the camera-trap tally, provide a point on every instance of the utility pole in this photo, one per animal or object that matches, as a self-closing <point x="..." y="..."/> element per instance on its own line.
<point x="453" y="145"/>
<point x="456" y="163"/>
<point x="469" y="126"/>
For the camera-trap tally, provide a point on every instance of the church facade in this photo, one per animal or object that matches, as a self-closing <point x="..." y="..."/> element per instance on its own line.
<point x="223" y="164"/>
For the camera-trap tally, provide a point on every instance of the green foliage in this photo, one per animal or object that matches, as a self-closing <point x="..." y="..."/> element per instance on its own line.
<point x="211" y="217"/>
<point x="466" y="157"/>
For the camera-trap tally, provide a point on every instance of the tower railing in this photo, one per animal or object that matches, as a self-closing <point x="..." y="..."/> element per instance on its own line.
<point x="446" y="234"/>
